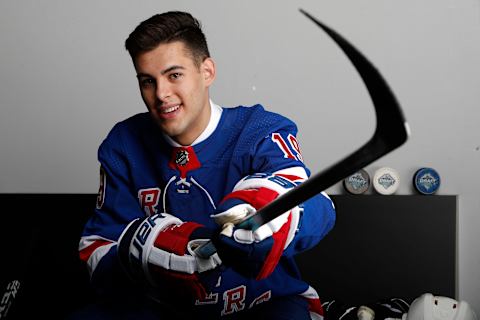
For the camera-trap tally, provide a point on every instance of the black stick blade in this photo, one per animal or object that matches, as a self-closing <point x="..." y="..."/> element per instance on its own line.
<point x="391" y="132"/>
<point x="390" y="119"/>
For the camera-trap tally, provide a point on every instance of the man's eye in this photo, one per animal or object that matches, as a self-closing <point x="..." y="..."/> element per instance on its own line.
<point x="175" y="75"/>
<point x="146" y="82"/>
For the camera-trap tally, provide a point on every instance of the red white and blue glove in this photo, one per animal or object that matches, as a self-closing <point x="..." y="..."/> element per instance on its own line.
<point x="159" y="251"/>
<point x="255" y="253"/>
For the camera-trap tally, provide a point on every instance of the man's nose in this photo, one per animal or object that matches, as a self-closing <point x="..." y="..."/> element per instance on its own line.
<point x="163" y="89"/>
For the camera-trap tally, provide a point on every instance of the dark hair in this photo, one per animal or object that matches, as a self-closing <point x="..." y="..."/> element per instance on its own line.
<point x="165" y="28"/>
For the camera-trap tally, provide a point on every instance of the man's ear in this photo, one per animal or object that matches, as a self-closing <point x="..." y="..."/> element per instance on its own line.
<point x="208" y="70"/>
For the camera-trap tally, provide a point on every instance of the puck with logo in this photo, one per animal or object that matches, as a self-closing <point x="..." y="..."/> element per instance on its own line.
<point x="426" y="180"/>
<point x="386" y="180"/>
<point x="357" y="183"/>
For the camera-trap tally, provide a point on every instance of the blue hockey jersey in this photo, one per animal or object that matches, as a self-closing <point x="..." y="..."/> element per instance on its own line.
<point x="144" y="172"/>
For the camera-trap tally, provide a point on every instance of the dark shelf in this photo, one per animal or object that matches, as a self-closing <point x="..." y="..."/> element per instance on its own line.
<point x="386" y="246"/>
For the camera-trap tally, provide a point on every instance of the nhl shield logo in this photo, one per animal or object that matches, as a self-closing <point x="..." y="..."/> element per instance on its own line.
<point x="181" y="158"/>
<point x="184" y="160"/>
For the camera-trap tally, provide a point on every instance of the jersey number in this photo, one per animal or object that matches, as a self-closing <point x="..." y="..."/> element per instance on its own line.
<point x="149" y="199"/>
<point x="290" y="148"/>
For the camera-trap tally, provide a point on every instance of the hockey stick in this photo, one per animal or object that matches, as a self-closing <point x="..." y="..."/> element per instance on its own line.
<point x="391" y="132"/>
<point x="19" y="252"/>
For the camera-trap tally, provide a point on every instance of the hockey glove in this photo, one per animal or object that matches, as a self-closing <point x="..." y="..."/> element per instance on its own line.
<point x="158" y="251"/>
<point x="254" y="253"/>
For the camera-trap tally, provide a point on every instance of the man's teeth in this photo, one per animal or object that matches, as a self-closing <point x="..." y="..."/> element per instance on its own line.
<point x="171" y="109"/>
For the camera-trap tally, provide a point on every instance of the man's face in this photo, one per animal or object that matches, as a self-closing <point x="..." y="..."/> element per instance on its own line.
<point x="175" y="90"/>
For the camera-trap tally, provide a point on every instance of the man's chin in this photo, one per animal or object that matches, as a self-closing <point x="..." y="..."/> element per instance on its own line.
<point x="173" y="133"/>
<point x="167" y="127"/>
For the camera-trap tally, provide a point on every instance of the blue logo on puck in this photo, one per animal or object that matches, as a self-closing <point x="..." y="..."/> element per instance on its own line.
<point x="426" y="180"/>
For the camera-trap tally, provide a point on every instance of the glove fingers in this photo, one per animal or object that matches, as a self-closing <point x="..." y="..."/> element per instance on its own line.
<point x="231" y="250"/>
<point x="234" y="214"/>
<point x="244" y="236"/>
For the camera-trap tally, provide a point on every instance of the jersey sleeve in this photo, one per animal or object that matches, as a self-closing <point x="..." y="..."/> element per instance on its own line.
<point x="278" y="153"/>
<point x="116" y="206"/>
<point x="278" y="149"/>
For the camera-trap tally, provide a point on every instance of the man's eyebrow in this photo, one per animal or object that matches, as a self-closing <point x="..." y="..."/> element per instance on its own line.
<point x="143" y="75"/>
<point x="172" y="68"/>
<point x="169" y="69"/>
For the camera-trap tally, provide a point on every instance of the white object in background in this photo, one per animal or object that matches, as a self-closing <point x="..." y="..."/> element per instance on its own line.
<point x="365" y="313"/>
<point x="429" y="307"/>
<point x="386" y="180"/>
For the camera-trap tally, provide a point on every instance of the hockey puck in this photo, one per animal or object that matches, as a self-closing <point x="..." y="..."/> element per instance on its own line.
<point x="426" y="180"/>
<point x="357" y="183"/>
<point x="386" y="180"/>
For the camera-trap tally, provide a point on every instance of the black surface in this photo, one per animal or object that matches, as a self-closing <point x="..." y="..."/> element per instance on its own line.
<point x="39" y="236"/>
<point x="386" y="246"/>
<point x="381" y="246"/>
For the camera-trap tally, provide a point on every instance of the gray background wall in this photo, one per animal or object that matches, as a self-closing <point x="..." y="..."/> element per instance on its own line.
<point x="65" y="79"/>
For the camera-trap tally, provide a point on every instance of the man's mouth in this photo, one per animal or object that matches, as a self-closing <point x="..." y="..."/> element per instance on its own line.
<point x="166" y="110"/>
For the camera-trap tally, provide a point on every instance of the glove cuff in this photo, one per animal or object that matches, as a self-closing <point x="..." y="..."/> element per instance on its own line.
<point x="136" y="242"/>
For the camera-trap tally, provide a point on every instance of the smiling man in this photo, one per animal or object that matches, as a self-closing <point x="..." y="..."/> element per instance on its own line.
<point x="184" y="173"/>
<point x="174" y="86"/>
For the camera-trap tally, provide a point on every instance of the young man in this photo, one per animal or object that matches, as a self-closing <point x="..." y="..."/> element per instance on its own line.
<point x="185" y="173"/>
